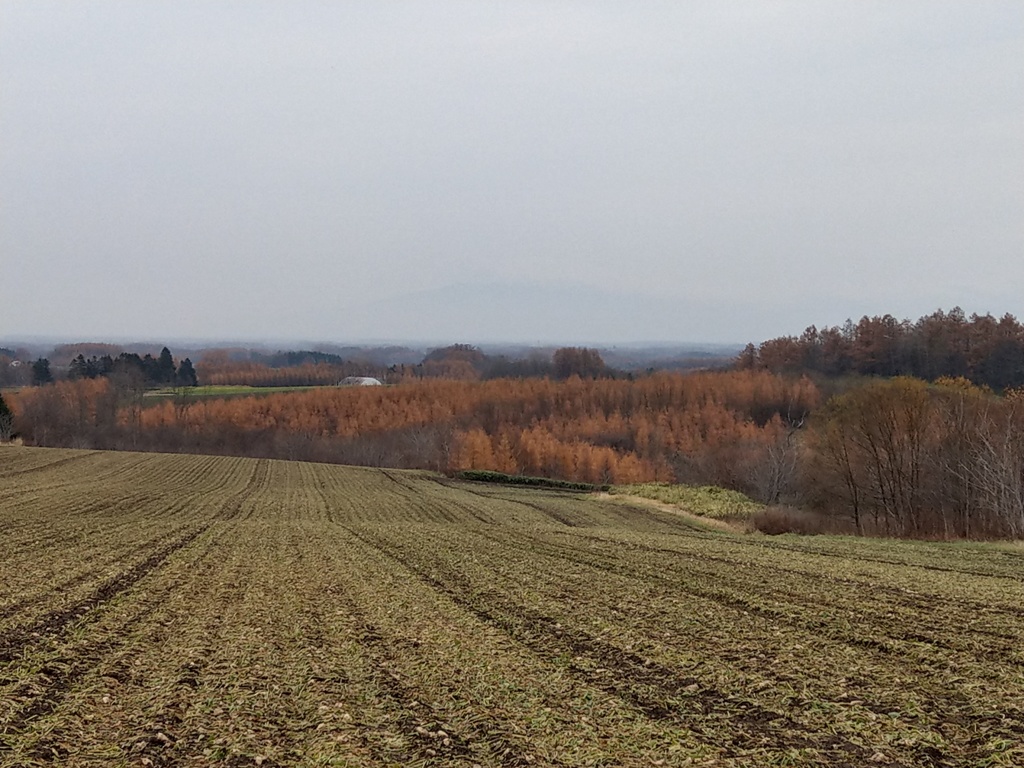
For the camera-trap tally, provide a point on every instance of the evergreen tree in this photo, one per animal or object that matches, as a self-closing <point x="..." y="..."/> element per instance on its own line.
<point x="151" y="370"/>
<point x="41" y="372"/>
<point x="165" y="369"/>
<point x="187" y="374"/>
<point x="6" y="421"/>
<point x="79" y="368"/>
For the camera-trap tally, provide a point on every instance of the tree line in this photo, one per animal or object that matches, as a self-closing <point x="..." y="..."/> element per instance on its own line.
<point x="698" y="428"/>
<point x="980" y="348"/>
<point x="898" y="456"/>
<point x="146" y="370"/>
<point x="284" y="368"/>
<point x="936" y="454"/>
<point x="908" y="458"/>
<point x="463" y="362"/>
<point x="152" y="371"/>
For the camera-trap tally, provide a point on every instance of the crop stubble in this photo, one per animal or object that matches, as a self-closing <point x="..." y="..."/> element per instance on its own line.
<point x="180" y="610"/>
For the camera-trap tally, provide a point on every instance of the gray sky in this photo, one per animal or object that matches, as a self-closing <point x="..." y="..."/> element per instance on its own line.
<point x="529" y="171"/>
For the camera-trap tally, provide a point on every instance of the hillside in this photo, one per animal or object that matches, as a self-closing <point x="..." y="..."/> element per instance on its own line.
<point x="196" y="610"/>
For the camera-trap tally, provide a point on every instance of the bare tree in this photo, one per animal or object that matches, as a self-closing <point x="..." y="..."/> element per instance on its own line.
<point x="772" y="474"/>
<point x="998" y="470"/>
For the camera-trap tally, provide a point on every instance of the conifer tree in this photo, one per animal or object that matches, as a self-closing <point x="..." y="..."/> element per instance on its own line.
<point x="6" y="421"/>
<point x="165" y="370"/>
<point x="186" y="376"/>
<point x="41" y="372"/>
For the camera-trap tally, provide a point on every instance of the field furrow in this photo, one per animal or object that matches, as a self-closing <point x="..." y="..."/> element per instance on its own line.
<point x="208" y="611"/>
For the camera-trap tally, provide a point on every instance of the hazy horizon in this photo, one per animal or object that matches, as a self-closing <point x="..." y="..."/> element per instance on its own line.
<point x="177" y="344"/>
<point x="505" y="172"/>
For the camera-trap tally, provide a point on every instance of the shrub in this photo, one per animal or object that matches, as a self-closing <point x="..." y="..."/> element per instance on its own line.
<point x="776" y="520"/>
<point x="487" y="476"/>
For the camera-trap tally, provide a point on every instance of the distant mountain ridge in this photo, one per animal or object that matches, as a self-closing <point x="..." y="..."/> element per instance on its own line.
<point x="538" y="314"/>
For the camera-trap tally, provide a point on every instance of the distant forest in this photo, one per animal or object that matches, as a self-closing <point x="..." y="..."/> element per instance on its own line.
<point x="128" y="367"/>
<point x="879" y="427"/>
<point x="981" y="349"/>
<point x="231" y="366"/>
<point x="462" y="362"/>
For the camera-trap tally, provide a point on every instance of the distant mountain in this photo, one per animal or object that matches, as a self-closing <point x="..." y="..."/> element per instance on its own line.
<point x="532" y="314"/>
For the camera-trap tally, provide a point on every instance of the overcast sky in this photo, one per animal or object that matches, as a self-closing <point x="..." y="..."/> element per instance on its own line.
<point x="529" y="171"/>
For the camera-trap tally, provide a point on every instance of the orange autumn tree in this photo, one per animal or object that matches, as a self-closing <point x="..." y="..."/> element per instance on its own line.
<point x="703" y="427"/>
<point x="666" y="426"/>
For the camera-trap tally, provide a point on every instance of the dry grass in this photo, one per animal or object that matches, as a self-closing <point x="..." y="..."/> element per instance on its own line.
<point x="707" y="501"/>
<point x="698" y="521"/>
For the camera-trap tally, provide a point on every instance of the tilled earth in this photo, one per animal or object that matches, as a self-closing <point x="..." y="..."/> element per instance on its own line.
<point x="192" y="611"/>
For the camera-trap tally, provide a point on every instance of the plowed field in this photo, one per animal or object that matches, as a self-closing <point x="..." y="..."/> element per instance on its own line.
<point x="192" y="611"/>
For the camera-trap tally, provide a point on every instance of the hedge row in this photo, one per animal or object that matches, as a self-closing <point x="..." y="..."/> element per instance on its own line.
<point x="487" y="476"/>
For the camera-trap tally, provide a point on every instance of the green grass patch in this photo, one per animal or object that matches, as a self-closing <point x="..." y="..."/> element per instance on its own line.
<point x="487" y="476"/>
<point x="228" y="390"/>
<point x="705" y="500"/>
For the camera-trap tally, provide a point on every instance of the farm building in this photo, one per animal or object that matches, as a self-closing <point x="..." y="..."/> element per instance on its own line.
<point x="360" y="381"/>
